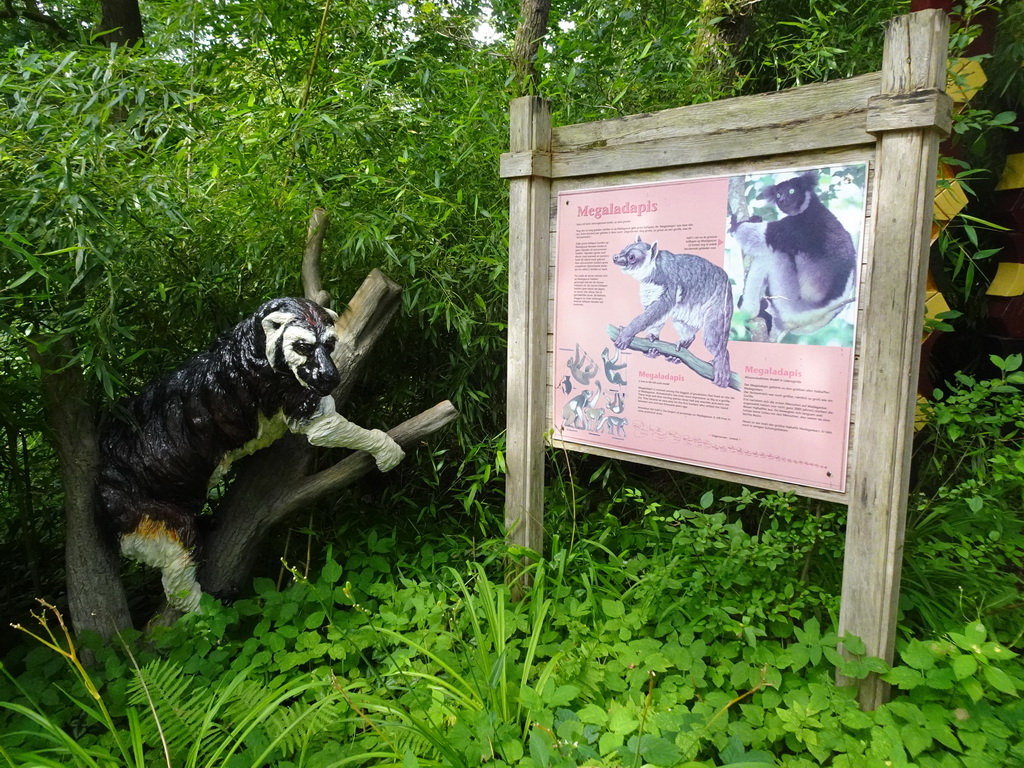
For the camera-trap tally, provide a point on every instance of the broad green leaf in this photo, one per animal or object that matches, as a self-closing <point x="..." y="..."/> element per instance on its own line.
<point x="512" y="751"/>
<point x="918" y="655"/>
<point x="594" y="714"/>
<point x="609" y="742"/>
<point x="971" y="638"/>
<point x="999" y="680"/>
<point x="621" y="720"/>
<point x="915" y="738"/>
<point x="964" y="666"/>
<point x="540" y="747"/>
<point x="854" y="644"/>
<point x="973" y="688"/>
<point x="613" y="608"/>
<point x="562" y="695"/>
<point x="904" y="677"/>
<point x="330" y="573"/>
<point x="658" y="751"/>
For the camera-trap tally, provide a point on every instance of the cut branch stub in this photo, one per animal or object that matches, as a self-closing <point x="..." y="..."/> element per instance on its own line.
<point x="360" y="326"/>
<point x="312" y="286"/>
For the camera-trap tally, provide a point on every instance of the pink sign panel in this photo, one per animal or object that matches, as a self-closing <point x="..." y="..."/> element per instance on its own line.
<point x="711" y="321"/>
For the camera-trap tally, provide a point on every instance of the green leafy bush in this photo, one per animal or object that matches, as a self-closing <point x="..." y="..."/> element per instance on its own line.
<point x="965" y="534"/>
<point x="681" y="641"/>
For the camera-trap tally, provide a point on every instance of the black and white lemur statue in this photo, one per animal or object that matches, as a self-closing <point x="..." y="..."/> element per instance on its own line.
<point x="802" y="266"/>
<point x="271" y="373"/>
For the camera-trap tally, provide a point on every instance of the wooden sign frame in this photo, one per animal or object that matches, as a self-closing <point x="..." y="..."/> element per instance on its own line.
<point x="895" y="120"/>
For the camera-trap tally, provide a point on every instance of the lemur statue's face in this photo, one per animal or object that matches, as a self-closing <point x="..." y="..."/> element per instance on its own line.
<point x="300" y="339"/>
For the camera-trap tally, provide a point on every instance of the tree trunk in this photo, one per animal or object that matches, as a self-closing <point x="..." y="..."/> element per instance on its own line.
<point x="533" y="25"/>
<point x="96" y="599"/>
<point x="122" y="23"/>
<point x="723" y="27"/>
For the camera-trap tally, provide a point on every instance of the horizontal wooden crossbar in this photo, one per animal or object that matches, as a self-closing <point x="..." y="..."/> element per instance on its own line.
<point x="919" y="109"/>
<point x="843" y="113"/>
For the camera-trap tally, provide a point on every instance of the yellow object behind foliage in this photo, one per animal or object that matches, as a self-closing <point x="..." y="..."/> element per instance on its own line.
<point x="1009" y="280"/>
<point x="1013" y="173"/>
<point x="965" y="79"/>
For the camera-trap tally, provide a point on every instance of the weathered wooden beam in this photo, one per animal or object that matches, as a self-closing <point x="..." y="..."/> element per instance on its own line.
<point x="889" y="347"/>
<point x="529" y="200"/>
<point x="917" y="109"/>
<point x="818" y="116"/>
<point x="515" y="165"/>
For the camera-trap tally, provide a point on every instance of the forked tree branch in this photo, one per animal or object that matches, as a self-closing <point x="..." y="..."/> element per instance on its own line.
<point x="300" y="493"/>
<point x="275" y="482"/>
<point x="231" y="548"/>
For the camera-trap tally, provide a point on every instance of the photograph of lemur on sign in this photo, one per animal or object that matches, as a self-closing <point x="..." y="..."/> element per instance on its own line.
<point x="711" y="321"/>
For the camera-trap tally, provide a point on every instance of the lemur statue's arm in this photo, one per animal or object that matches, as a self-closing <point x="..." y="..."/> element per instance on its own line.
<point x="330" y="429"/>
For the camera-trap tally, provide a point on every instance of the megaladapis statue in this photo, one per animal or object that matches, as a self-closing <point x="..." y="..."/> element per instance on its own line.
<point x="271" y="373"/>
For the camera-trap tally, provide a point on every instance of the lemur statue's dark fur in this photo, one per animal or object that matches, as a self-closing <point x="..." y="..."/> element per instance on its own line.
<point x="271" y="373"/>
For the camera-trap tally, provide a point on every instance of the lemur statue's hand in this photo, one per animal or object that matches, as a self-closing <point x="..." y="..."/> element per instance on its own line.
<point x="388" y="453"/>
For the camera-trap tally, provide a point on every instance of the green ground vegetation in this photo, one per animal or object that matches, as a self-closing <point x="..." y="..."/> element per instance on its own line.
<point x="652" y="634"/>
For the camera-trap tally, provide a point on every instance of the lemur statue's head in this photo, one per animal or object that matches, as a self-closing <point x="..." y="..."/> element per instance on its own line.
<point x="300" y="339"/>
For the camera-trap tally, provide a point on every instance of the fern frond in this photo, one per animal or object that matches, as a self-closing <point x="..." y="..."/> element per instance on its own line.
<point x="165" y="695"/>
<point x="206" y="723"/>
<point x="301" y="723"/>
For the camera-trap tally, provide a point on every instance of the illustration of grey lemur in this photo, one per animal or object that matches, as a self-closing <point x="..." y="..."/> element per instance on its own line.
<point x="801" y="266"/>
<point x="616" y="425"/>
<point x="691" y="291"/>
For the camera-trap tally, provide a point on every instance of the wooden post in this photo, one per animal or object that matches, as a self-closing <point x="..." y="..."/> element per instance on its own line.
<point x="890" y="337"/>
<point x="529" y="215"/>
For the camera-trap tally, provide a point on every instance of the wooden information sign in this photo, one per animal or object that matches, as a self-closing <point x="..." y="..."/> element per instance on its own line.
<point x="694" y="367"/>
